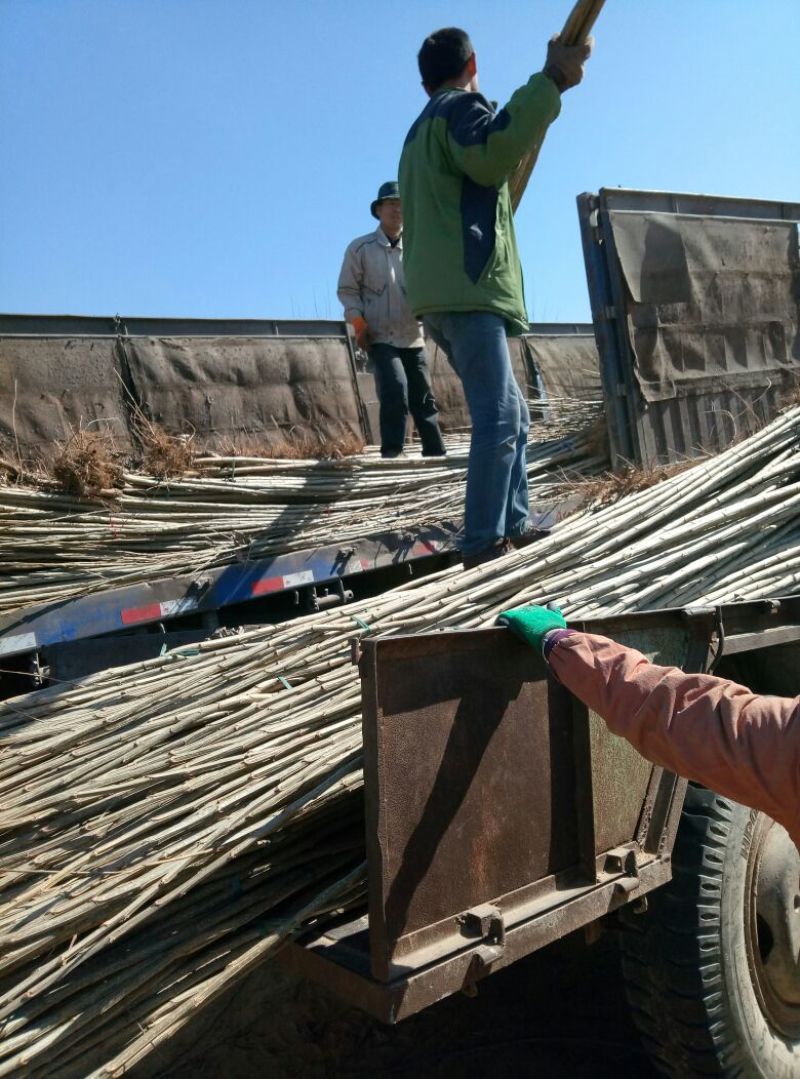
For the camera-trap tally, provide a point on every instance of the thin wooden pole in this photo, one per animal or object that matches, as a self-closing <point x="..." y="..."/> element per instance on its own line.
<point x="576" y="30"/>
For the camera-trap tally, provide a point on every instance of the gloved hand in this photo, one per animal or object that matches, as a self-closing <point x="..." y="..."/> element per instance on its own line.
<point x="532" y="623"/>
<point x="363" y="336"/>
<point x="564" y="63"/>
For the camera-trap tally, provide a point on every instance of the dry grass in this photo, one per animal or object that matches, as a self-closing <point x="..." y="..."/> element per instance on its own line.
<point x="790" y="394"/>
<point x="597" y="444"/>
<point x="163" y="455"/>
<point x="602" y="490"/>
<point x="295" y="446"/>
<point x="86" y="465"/>
<point x="18" y="468"/>
<point x="14" y="472"/>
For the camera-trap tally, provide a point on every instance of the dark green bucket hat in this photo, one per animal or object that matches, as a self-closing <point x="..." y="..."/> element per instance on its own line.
<point x="389" y="190"/>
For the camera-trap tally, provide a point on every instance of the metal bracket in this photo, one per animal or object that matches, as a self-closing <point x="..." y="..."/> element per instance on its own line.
<point x="321" y="599"/>
<point x="623" y="860"/>
<point x="38" y="672"/>
<point x="487" y="923"/>
<point x="356" y="651"/>
<point x="720" y="650"/>
<point x="705" y="624"/>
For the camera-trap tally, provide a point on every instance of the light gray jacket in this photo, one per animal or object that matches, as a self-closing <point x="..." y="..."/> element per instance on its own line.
<point x="371" y="284"/>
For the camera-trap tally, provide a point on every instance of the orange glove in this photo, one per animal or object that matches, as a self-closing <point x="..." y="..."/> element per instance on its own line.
<point x="363" y="336"/>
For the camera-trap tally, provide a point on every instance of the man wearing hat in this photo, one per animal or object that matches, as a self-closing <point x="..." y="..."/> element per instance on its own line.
<point x="373" y="292"/>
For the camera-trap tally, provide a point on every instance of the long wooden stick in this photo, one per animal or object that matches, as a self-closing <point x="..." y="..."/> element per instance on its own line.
<point x="580" y="21"/>
<point x="576" y="30"/>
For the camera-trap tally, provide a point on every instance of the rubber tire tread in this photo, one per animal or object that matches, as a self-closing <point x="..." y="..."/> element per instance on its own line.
<point x="671" y="954"/>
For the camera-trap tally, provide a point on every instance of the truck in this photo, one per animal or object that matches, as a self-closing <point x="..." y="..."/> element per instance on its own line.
<point x="485" y="843"/>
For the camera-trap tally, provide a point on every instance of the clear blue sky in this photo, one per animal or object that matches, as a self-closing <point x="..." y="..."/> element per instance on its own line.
<point x="214" y="157"/>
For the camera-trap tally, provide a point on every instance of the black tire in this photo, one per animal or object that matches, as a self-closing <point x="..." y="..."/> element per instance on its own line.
<point x="694" y="971"/>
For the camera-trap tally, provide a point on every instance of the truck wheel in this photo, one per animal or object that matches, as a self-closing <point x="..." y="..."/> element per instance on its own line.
<point x="711" y="968"/>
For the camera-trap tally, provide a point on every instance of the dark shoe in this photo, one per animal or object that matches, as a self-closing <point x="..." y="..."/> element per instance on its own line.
<point x="530" y="535"/>
<point x="487" y="555"/>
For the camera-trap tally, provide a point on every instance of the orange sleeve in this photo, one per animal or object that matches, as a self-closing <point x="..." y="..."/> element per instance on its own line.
<point x="742" y="745"/>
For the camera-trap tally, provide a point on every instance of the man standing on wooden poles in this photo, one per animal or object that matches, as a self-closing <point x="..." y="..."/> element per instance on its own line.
<point x="462" y="268"/>
<point x="372" y="292"/>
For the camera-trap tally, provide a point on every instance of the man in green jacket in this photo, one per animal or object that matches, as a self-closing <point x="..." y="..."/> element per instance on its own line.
<point x="463" y="274"/>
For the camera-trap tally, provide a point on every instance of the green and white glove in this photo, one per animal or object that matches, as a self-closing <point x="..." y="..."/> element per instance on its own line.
<point x="532" y="624"/>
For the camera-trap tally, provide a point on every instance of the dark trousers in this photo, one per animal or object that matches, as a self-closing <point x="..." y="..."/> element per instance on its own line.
<point x="403" y="382"/>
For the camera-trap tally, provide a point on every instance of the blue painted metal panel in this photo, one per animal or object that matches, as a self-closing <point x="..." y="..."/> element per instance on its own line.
<point x="162" y="601"/>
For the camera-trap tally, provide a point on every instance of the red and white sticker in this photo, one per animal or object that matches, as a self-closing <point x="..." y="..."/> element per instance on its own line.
<point x="423" y="547"/>
<point x="154" y="612"/>
<point x="280" y="584"/>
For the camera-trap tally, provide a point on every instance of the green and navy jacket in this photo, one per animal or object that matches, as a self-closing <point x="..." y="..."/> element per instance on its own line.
<point x="460" y="251"/>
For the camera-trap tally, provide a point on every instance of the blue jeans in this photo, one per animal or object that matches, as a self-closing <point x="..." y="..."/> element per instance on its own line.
<point x="497" y="482"/>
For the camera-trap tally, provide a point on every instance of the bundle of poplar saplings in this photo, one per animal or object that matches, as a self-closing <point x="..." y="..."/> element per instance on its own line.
<point x="55" y="546"/>
<point x="166" y="826"/>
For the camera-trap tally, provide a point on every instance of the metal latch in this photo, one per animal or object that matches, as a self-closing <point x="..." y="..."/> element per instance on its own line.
<point x="623" y="860"/>
<point x="487" y="923"/>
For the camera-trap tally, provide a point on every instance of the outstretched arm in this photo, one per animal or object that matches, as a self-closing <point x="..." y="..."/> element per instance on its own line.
<point x="487" y="145"/>
<point x="743" y="745"/>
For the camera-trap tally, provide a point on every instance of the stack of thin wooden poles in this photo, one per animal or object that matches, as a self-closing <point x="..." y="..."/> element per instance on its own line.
<point x="55" y="547"/>
<point x="576" y="30"/>
<point x="167" y="825"/>
<point x="562" y="417"/>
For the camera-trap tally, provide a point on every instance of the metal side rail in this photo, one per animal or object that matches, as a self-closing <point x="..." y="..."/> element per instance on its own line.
<point x="118" y="609"/>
